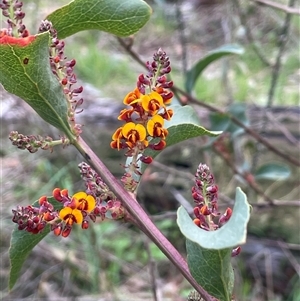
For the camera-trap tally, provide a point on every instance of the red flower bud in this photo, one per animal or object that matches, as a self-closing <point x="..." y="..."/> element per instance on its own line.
<point x="225" y="217"/>
<point x="57" y="194"/>
<point x="205" y="210"/>
<point x="160" y="145"/>
<point x="146" y="159"/>
<point x="66" y="232"/>
<point x="57" y="230"/>
<point x="236" y="251"/>
<point x="85" y="225"/>
<point x="56" y="59"/>
<point x="42" y="200"/>
<point x="197" y="222"/>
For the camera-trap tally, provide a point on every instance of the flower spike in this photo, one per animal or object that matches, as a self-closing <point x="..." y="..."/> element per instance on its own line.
<point x="205" y="195"/>
<point x="144" y="119"/>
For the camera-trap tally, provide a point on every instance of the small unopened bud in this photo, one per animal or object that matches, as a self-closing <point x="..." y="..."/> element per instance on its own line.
<point x="77" y="90"/>
<point x="236" y="252"/>
<point x="146" y="159"/>
<point x="225" y="217"/>
<point x="85" y="224"/>
<point x="66" y="232"/>
<point x="42" y="200"/>
<point x="57" y="194"/>
<point x="160" y="145"/>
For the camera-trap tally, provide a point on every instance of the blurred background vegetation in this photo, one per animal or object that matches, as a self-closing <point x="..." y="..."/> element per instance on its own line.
<point x="114" y="261"/>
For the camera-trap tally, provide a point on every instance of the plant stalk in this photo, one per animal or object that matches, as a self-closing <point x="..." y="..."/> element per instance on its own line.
<point x="140" y="216"/>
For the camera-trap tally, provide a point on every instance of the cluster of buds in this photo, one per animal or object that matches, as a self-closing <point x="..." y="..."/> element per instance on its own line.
<point x="205" y="195"/>
<point x="106" y="199"/>
<point x="156" y="77"/>
<point x="33" y="143"/>
<point x="144" y="119"/>
<point x="12" y="10"/>
<point x="63" y="69"/>
<point x="79" y="208"/>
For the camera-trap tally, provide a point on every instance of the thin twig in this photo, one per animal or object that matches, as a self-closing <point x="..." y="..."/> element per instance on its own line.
<point x="284" y="8"/>
<point x="152" y="267"/>
<point x="248" y="130"/>
<point x="138" y="215"/>
<point x="243" y="21"/>
<point x="182" y="37"/>
<point x="269" y="274"/>
<point x="283" y="38"/>
<point x="251" y="184"/>
<point x="283" y="129"/>
<point x="289" y="255"/>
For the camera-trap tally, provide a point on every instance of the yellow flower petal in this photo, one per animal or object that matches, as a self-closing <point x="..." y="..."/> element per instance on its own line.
<point x="64" y="212"/>
<point x="132" y="97"/>
<point x="86" y="202"/>
<point x="152" y="102"/>
<point x="155" y="121"/>
<point x="150" y="127"/>
<point x="142" y="131"/>
<point x="77" y="216"/>
<point x="156" y="96"/>
<point x="158" y="119"/>
<point x="127" y="128"/>
<point x="71" y="216"/>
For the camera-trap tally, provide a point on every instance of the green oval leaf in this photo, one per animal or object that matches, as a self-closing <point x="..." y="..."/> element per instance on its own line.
<point x="25" y="71"/>
<point x="22" y="243"/>
<point x="211" y="269"/>
<point x="119" y="17"/>
<point x="272" y="171"/>
<point x="185" y="125"/>
<point x="232" y="234"/>
<point x="193" y="74"/>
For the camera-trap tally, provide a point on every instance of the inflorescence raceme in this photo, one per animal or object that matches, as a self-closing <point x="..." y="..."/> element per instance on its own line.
<point x="12" y="10"/>
<point x="63" y="69"/>
<point x="205" y="195"/>
<point x="80" y="208"/>
<point x="146" y="112"/>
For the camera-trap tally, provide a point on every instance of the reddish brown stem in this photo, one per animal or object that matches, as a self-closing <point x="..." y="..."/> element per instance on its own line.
<point x="139" y="216"/>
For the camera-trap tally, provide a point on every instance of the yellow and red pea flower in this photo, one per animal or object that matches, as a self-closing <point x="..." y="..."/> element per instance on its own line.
<point x="74" y="211"/>
<point x="165" y="94"/>
<point x="152" y="102"/>
<point x="134" y="134"/>
<point x="71" y="216"/>
<point x="155" y="127"/>
<point x="132" y="97"/>
<point x="86" y="202"/>
<point x="117" y="139"/>
<point x="126" y="114"/>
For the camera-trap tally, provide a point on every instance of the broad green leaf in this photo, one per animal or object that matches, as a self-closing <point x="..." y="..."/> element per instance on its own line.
<point x="193" y="74"/>
<point x="25" y="71"/>
<point x="211" y="269"/>
<point x="272" y="171"/>
<point x="232" y="234"/>
<point x="119" y="17"/>
<point x="22" y="243"/>
<point x="185" y="125"/>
